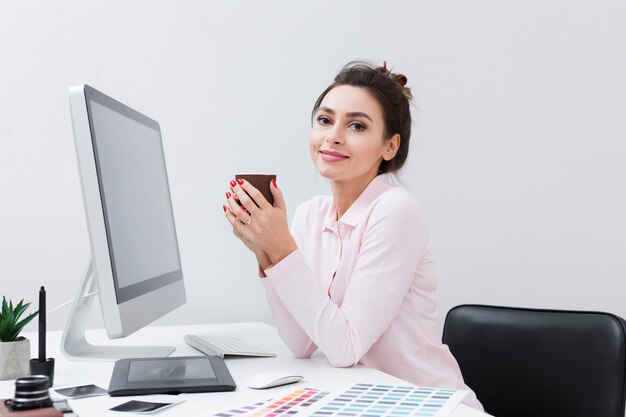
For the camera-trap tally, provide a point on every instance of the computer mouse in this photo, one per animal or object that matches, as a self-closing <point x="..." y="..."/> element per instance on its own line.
<point x="272" y="379"/>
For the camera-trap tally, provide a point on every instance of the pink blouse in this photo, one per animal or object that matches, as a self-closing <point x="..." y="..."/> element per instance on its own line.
<point x="363" y="288"/>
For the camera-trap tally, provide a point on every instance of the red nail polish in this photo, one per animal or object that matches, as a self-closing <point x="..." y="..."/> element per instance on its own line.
<point x="274" y="183"/>
<point x="232" y="183"/>
<point x="228" y="195"/>
<point x="240" y="181"/>
<point x="224" y="207"/>
<point x="243" y="208"/>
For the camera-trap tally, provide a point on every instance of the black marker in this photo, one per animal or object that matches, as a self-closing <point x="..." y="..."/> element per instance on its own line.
<point x="42" y="365"/>
<point x="42" y="324"/>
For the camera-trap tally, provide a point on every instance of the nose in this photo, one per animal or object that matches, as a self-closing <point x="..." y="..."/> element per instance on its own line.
<point x="334" y="136"/>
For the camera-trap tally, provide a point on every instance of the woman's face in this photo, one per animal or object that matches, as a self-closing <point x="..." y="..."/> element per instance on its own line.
<point x="347" y="139"/>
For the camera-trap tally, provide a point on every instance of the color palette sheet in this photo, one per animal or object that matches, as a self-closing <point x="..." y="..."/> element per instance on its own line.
<point x="294" y="403"/>
<point x="375" y="400"/>
<point x="356" y="400"/>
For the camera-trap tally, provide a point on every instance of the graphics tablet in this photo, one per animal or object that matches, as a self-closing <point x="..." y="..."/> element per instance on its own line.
<point x="170" y="375"/>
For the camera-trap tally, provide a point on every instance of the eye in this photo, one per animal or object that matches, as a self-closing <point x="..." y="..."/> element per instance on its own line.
<point x="324" y="120"/>
<point x="358" y="126"/>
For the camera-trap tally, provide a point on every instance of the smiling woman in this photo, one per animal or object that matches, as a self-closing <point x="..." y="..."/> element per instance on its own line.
<point x="354" y="277"/>
<point x="348" y="142"/>
<point x="393" y="99"/>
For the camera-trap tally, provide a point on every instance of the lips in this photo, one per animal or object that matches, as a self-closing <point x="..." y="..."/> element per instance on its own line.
<point x="332" y="156"/>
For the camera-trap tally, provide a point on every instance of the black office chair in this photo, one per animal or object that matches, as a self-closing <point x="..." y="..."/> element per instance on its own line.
<point x="540" y="363"/>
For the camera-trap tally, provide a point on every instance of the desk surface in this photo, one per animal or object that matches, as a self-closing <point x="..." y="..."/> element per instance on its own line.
<point x="318" y="373"/>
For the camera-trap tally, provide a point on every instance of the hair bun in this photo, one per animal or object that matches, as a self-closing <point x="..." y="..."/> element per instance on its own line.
<point x="400" y="78"/>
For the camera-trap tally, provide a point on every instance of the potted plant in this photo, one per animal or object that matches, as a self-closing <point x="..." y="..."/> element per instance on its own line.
<point x="14" y="349"/>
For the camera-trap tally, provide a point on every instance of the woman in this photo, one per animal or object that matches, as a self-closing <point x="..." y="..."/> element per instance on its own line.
<point x="354" y="277"/>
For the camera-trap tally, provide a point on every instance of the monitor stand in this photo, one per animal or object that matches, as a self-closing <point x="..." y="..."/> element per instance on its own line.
<point x="74" y="344"/>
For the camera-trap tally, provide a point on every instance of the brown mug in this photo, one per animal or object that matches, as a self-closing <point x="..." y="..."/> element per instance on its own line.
<point x="261" y="182"/>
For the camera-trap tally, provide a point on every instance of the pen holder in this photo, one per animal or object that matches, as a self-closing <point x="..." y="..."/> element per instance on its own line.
<point x="43" y="368"/>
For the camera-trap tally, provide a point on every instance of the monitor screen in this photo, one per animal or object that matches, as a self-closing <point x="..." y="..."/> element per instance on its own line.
<point x="135" y="200"/>
<point x="134" y="267"/>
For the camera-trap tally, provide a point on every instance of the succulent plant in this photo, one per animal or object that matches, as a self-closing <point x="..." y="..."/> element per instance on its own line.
<point x="10" y="323"/>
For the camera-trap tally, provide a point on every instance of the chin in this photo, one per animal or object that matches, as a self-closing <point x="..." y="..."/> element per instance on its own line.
<point x="333" y="175"/>
<point x="328" y="172"/>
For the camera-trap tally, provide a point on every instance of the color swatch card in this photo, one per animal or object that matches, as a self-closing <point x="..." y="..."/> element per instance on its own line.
<point x="374" y="400"/>
<point x="293" y="403"/>
<point x="243" y="410"/>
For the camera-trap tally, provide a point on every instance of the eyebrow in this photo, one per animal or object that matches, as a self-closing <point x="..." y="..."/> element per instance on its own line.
<point x="349" y="114"/>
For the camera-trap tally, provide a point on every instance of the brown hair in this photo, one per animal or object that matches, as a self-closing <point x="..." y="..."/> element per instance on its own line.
<point x="393" y="96"/>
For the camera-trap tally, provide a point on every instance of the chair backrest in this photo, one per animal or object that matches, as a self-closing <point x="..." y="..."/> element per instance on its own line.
<point x="540" y="363"/>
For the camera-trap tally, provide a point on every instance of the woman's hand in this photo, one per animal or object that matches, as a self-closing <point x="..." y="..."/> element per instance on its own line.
<point x="260" y="226"/>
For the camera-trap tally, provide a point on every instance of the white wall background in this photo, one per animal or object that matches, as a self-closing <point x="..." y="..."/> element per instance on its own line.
<point x="517" y="157"/>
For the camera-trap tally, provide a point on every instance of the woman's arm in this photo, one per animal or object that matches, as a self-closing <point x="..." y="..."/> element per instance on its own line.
<point x="298" y="342"/>
<point x="270" y="223"/>
<point x="391" y="250"/>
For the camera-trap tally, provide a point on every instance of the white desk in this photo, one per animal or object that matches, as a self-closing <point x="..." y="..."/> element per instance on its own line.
<point x="317" y="371"/>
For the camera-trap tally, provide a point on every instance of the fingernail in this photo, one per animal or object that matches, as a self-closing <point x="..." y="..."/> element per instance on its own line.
<point x="239" y="181"/>
<point x="243" y="208"/>
<point x="228" y="195"/>
<point x="232" y="183"/>
<point x="224" y="207"/>
<point x="274" y="183"/>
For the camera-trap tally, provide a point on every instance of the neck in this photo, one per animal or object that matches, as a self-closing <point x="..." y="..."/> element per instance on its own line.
<point x="346" y="192"/>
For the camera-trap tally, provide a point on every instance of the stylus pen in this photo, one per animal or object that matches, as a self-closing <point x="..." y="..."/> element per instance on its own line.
<point x="42" y="324"/>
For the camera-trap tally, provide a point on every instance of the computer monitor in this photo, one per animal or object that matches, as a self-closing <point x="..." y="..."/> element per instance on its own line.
<point x="135" y="267"/>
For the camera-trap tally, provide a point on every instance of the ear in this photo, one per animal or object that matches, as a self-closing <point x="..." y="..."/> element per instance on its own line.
<point x="392" y="144"/>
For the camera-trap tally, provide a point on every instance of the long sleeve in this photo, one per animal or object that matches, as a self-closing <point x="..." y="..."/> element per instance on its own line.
<point x="296" y="339"/>
<point x="389" y="252"/>
<point x="298" y="342"/>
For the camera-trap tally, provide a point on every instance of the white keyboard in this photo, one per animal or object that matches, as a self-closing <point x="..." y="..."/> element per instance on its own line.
<point x="223" y="345"/>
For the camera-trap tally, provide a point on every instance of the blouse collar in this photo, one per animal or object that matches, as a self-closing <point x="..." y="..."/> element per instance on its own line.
<point x="359" y="209"/>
